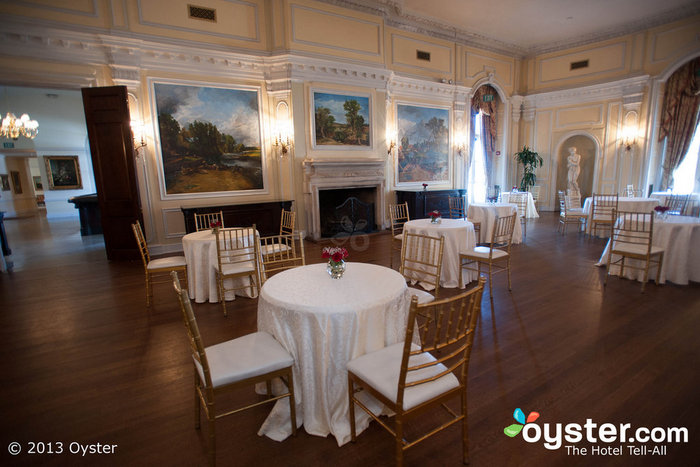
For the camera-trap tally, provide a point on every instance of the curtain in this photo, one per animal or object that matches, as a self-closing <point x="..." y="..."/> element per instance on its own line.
<point x="679" y="116"/>
<point x="489" y="121"/>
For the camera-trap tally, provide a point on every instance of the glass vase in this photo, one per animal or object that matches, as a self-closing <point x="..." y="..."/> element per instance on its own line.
<point x="435" y="220"/>
<point x="336" y="269"/>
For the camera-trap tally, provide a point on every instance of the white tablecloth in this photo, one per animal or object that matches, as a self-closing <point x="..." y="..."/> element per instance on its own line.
<point x="486" y="213"/>
<point x="679" y="236"/>
<point x="324" y="323"/>
<point x="200" y="253"/>
<point x="624" y="203"/>
<point x="531" y="211"/>
<point x="459" y="236"/>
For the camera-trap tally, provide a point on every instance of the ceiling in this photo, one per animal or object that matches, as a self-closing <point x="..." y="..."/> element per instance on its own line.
<point x="527" y="27"/>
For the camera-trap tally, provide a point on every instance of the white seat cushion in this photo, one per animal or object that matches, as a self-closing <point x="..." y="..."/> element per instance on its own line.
<point x="399" y="236"/>
<point x="381" y="370"/>
<point x="167" y="262"/>
<point x="236" y="268"/>
<point x="274" y="248"/>
<point x="423" y="296"/>
<point x="245" y="357"/>
<point x="482" y="252"/>
<point x="636" y="249"/>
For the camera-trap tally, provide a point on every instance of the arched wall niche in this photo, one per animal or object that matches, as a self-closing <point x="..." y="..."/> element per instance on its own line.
<point x="587" y="147"/>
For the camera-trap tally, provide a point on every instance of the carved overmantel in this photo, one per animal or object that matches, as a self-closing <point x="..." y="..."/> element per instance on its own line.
<point x="338" y="174"/>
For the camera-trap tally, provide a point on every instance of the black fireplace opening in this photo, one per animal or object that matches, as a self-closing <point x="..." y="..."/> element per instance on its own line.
<point x="347" y="211"/>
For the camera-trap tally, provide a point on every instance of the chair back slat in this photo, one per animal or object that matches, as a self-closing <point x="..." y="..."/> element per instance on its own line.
<point x="446" y="329"/>
<point x="398" y="214"/>
<point x="603" y="206"/>
<point x="520" y="201"/>
<point x="502" y="234"/>
<point x="632" y="229"/>
<point x="280" y="252"/>
<point x="204" y="221"/>
<point x="141" y="241"/>
<point x="421" y="258"/>
<point x="287" y="223"/>
<point x="677" y="204"/>
<point x="457" y="207"/>
<point x="195" y="338"/>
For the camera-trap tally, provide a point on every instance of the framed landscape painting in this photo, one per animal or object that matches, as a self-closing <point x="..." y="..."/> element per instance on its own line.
<point x="341" y="120"/>
<point x="209" y="138"/>
<point x="423" y="151"/>
<point x="63" y="172"/>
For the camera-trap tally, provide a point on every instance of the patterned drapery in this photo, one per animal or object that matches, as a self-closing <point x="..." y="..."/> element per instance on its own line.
<point x="489" y="121"/>
<point x="679" y="116"/>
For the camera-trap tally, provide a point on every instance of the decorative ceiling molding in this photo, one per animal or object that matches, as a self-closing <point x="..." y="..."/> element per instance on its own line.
<point x="631" y="88"/>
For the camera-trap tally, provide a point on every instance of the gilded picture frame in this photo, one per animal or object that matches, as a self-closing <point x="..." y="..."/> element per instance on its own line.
<point x="63" y="172"/>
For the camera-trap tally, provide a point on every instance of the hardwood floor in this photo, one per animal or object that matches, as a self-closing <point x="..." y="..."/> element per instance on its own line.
<point x="83" y="361"/>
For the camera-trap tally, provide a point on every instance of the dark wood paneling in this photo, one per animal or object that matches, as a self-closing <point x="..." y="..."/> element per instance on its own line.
<point x="420" y="203"/>
<point x="265" y="216"/>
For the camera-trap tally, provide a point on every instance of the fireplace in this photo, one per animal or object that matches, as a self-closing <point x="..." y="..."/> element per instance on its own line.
<point x="346" y="211"/>
<point x="360" y="183"/>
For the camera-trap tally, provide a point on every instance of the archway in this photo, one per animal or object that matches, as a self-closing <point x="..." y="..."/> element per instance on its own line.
<point x="585" y="146"/>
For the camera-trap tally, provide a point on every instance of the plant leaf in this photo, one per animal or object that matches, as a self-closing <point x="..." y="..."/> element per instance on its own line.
<point x="533" y="416"/>
<point x="513" y="430"/>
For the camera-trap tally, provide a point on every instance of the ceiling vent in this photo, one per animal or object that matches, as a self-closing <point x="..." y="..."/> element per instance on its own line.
<point x="581" y="64"/>
<point x="198" y="12"/>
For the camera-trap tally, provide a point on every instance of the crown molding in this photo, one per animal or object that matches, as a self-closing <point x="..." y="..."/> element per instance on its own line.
<point x="630" y="90"/>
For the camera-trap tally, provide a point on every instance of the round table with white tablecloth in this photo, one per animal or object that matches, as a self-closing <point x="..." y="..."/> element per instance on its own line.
<point x="531" y="210"/>
<point x="486" y="213"/>
<point x="679" y="236"/>
<point x="199" y="249"/>
<point x="624" y="203"/>
<point x="324" y="323"/>
<point x="459" y="236"/>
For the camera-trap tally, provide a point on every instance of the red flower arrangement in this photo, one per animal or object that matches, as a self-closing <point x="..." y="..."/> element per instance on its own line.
<point x="215" y="224"/>
<point x="334" y="254"/>
<point x="434" y="214"/>
<point x="425" y="186"/>
<point x="661" y="209"/>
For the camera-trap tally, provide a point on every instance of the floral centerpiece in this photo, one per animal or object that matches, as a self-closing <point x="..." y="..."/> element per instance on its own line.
<point x="336" y="260"/>
<point x="434" y="216"/>
<point x="425" y="186"/>
<point x="215" y="226"/>
<point x="661" y="210"/>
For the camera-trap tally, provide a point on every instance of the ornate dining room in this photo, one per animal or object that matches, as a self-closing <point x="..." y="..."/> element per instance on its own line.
<point x="350" y="232"/>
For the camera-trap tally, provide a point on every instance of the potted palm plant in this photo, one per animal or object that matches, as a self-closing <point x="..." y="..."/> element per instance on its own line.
<point x="530" y="160"/>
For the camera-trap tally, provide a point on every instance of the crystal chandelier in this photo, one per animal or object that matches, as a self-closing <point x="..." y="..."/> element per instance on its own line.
<point x="13" y="127"/>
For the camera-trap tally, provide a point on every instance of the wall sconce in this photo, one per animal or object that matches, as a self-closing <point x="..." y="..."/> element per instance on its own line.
<point x="283" y="129"/>
<point x="391" y="140"/>
<point x="283" y="143"/>
<point x="137" y="132"/>
<point x="460" y="143"/>
<point x="629" y="138"/>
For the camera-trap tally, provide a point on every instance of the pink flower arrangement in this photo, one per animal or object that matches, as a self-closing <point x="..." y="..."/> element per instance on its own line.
<point x="334" y="254"/>
<point x="434" y="214"/>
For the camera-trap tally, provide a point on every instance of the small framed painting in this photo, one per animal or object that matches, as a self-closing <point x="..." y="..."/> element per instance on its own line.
<point x="423" y="144"/>
<point x="16" y="182"/>
<point x="5" y="182"/>
<point x="63" y="172"/>
<point x="38" y="185"/>
<point x="341" y="121"/>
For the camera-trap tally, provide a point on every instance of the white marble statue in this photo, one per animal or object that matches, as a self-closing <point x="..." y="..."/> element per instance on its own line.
<point x="574" y="169"/>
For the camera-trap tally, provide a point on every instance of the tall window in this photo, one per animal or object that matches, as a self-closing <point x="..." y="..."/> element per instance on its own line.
<point x="685" y="175"/>
<point x="476" y="189"/>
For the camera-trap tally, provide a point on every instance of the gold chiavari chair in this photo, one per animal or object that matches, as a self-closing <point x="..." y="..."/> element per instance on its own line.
<point x="458" y="210"/>
<point x="277" y="258"/>
<point x="155" y="268"/>
<point x="398" y="215"/>
<point x="632" y="237"/>
<point x="520" y="200"/>
<point x="238" y="258"/>
<point x="567" y="216"/>
<point x="244" y="361"/>
<point x="573" y="202"/>
<point x="677" y="204"/>
<point x="421" y="262"/>
<point x="630" y="191"/>
<point x="287" y="223"/>
<point x="410" y="379"/>
<point x="493" y="255"/>
<point x="535" y="191"/>
<point x="204" y="221"/>
<point x="602" y="212"/>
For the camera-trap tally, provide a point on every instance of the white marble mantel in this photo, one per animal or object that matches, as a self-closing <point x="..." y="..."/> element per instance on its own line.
<point x="331" y="174"/>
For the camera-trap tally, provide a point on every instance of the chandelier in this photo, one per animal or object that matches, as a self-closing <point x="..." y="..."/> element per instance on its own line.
<point x="13" y="127"/>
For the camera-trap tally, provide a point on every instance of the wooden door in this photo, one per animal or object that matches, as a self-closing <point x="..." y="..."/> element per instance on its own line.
<point x="112" y="149"/>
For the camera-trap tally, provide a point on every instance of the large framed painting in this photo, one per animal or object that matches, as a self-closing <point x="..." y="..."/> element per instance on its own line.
<point x="209" y="138"/>
<point x="423" y="149"/>
<point x="63" y="172"/>
<point x="341" y="121"/>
